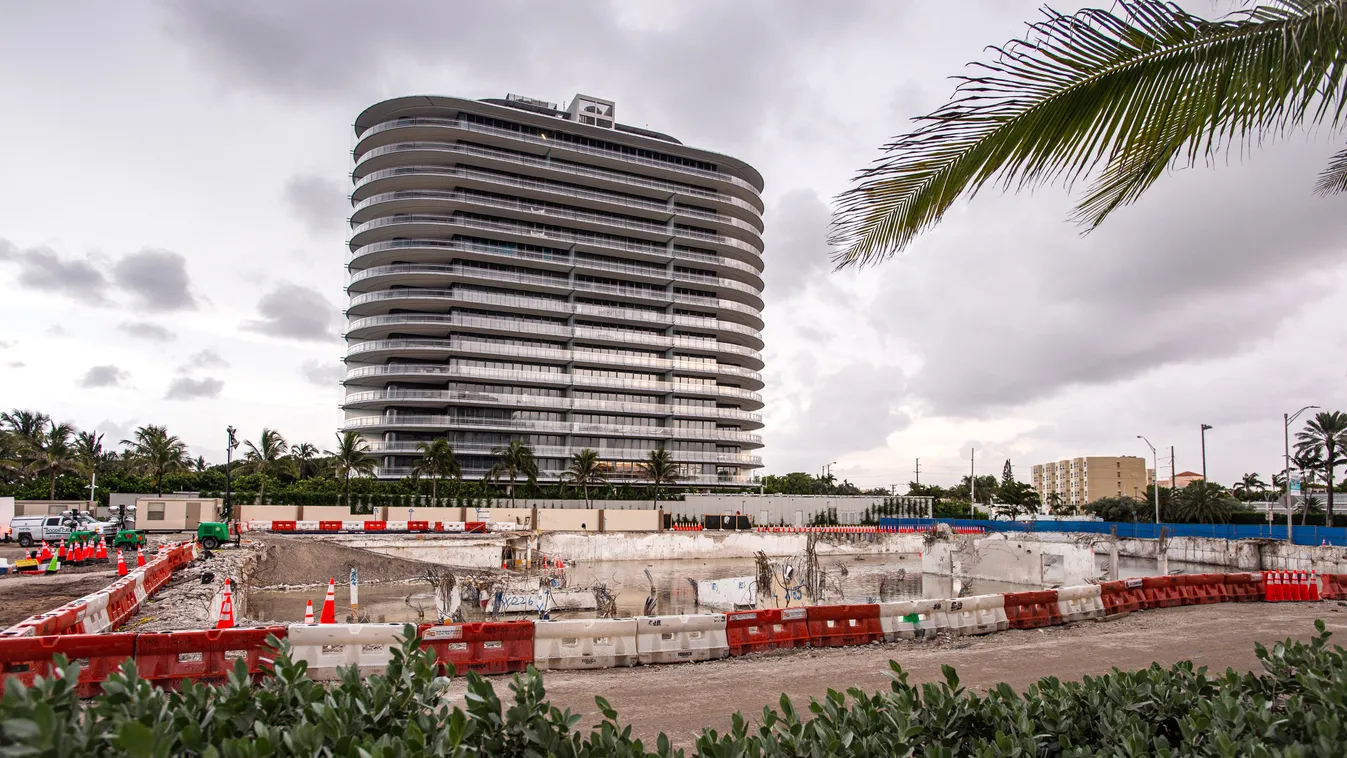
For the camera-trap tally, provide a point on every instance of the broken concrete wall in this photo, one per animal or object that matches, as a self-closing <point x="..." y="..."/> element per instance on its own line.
<point x="679" y="545"/>
<point x="1010" y="558"/>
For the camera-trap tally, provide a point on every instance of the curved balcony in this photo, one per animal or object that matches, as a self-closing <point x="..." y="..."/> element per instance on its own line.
<point x="382" y="447"/>
<point x="435" y="374"/>
<point x="418" y="276"/>
<point x="439" y="422"/>
<point x="370" y="140"/>
<point x="433" y="250"/>
<point x="380" y="399"/>
<point x="374" y="327"/>
<point x="382" y="349"/>
<point x="696" y="480"/>
<point x="432" y="193"/>
<point x="419" y="225"/>
<point x="427" y="299"/>
<point x="371" y="179"/>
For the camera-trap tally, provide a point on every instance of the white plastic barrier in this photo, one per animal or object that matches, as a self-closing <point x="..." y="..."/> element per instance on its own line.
<point x="306" y="526"/>
<point x="979" y="614"/>
<point x="503" y="526"/>
<point x="908" y="619"/>
<point x="675" y="639"/>
<point x="95" y="613"/>
<point x="327" y="647"/>
<point x="1080" y="603"/>
<point x="395" y="526"/>
<point x="453" y="526"/>
<point x="353" y="526"/>
<point x="259" y="526"/>
<point x="584" y="644"/>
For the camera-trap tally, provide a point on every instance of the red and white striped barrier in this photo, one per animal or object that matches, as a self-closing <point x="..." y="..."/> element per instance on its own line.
<point x="108" y="608"/>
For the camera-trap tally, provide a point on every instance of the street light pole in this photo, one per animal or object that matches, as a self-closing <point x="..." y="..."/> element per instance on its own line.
<point x="1205" y="427"/>
<point x="1155" y="462"/>
<point x="230" y="445"/>
<point x="1286" y="472"/>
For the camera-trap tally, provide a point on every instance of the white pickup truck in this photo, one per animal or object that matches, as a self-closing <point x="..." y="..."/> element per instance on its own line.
<point x="31" y="530"/>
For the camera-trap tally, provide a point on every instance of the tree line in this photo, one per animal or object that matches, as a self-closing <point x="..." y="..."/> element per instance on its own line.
<point x="43" y="458"/>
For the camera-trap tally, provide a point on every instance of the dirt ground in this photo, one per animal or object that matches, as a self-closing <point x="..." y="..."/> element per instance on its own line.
<point x="23" y="596"/>
<point x="302" y="561"/>
<point x="681" y="699"/>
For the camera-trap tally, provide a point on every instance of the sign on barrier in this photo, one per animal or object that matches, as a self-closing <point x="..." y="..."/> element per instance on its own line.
<point x="584" y="644"/>
<point x="167" y="659"/>
<point x="676" y="639"/>
<point x="839" y="625"/>
<point x="768" y="629"/>
<point x="330" y="647"/>
<point x="1080" y="603"/>
<point x="494" y="647"/>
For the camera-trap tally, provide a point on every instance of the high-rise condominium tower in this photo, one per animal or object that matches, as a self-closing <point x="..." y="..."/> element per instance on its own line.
<point x="523" y="272"/>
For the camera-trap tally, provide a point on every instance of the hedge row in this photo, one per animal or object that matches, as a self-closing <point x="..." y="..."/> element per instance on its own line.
<point x="1297" y="707"/>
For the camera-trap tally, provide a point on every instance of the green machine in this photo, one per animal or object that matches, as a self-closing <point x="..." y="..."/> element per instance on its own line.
<point x="129" y="538"/>
<point x="212" y="534"/>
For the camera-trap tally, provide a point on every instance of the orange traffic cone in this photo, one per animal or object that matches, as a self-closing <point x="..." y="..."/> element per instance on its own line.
<point x="140" y="558"/>
<point x="45" y="555"/>
<point x="1302" y="586"/>
<point x="60" y="554"/>
<point x="226" y="609"/>
<point x="330" y="604"/>
<point x="308" y="611"/>
<point x="101" y="554"/>
<point x="1271" y="587"/>
<point x="1314" y="584"/>
<point x="121" y="563"/>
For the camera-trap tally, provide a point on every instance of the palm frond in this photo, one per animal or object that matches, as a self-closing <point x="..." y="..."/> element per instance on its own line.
<point x="1334" y="178"/>
<point x="1132" y="93"/>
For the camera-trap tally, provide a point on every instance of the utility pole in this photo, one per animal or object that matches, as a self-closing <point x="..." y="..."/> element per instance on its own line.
<point x="1205" y="427"/>
<point x="917" y="471"/>
<point x="1287" y="418"/>
<point x="1173" y="478"/>
<point x="972" y="478"/>
<point x="1155" y="462"/>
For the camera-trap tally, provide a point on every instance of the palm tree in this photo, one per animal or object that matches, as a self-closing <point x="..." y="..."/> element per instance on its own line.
<point x="1326" y="433"/>
<point x="25" y="436"/>
<point x="52" y="455"/>
<point x="305" y="455"/>
<point x="1131" y="92"/>
<point x="659" y="468"/>
<point x="585" y="470"/>
<point x="1249" y="484"/>
<point x="437" y="460"/>
<point x="516" y="459"/>
<point x="266" y="458"/>
<point x="1204" y="502"/>
<point x="1310" y="462"/>
<point x="351" y="456"/>
<point x="89" y="456"/>
<point x="155" y="452"/>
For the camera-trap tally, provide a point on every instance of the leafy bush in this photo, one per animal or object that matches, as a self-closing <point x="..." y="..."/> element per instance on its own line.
<point x="1298" y="707"/>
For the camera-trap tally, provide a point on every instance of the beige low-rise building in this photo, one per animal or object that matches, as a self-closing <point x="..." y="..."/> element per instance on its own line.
<point x="1077" y="482"/>
<point x="175" y="513"/>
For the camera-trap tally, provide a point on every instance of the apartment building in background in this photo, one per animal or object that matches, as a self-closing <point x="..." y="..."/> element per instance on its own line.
<point x="522" y="271"/>
<point x="1183" y="478"/>
<point x="1081" y="481"/>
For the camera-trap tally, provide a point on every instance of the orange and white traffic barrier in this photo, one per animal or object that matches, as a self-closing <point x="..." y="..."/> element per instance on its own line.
<point x="226" y="609"/>
<point x="140" y="559"/>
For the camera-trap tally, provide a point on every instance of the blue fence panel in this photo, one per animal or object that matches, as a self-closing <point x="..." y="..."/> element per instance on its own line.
<point x="1300" y="535"/>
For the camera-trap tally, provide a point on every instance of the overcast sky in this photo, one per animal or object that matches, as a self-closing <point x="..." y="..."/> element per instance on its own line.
<point x="172" y="226"/>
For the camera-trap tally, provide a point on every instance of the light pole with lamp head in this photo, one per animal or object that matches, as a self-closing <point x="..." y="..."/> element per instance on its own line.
<point x="1155" y="462"/>
<point x="1205" y="427"/>
<point x="230" y="446"/>
<point x="1287" y="418"/>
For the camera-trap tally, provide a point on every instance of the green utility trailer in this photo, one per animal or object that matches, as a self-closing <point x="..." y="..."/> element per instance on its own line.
<point x="130" y="538"/>
<point x="212" y="534"/>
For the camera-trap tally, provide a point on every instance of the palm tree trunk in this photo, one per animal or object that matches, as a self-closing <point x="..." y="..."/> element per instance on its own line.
<point x="586" y="495"/>
<point x="511" y="489"/>
<point x="1332" y="463"/>
<point x="51" y="494"/>
<point x="434" y="485"/>
<point x="262" y="489"/>
<point x="346" y="488"/>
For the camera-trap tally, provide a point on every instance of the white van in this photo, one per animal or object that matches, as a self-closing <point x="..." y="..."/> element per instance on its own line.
<point x="30" y="530"/>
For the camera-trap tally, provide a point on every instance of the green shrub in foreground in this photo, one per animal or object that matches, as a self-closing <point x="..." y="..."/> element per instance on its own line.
<point x="1296" y="708"/>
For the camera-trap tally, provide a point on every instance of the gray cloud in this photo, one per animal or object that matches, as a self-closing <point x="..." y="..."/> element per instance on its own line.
<point x="207" y="358"/>
<point x="156" y="279"/>
<point x="104" y="376"/>
<point x="294" y="312"/>
<point x="683" y="46"/>
<point x="322" y="373"/>
<point x="319" y="203"/>
<point x="854" y="408"/>
<point x="147" y="331"/>
<point x="41" y="269"/>
<point x="186" y="388"/>
<point x="797" y="250"/>
<point x="1011" y="311"/>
